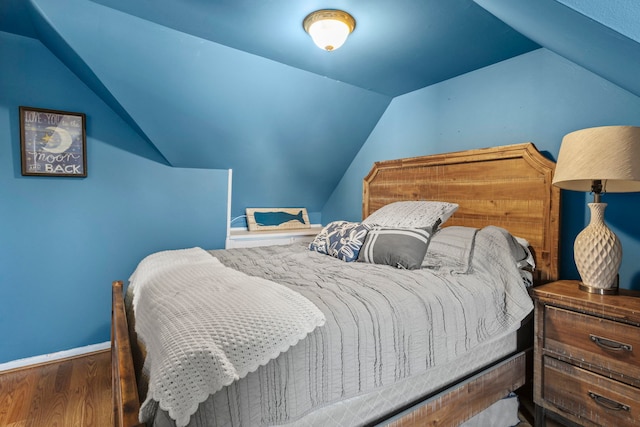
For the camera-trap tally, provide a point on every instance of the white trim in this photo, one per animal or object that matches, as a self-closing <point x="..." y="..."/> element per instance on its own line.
<point x="229" y="189"/>
<point x="244" y="233"/>
<point x="44" y="358"/>
<point x="242" y="238"/>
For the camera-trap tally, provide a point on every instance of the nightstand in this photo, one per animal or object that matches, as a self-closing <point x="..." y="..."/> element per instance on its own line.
<point x="242" y="238"/>
<point x="586" y="356"/>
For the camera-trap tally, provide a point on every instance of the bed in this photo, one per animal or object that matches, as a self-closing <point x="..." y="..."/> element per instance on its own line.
<point x="507" y="187"/>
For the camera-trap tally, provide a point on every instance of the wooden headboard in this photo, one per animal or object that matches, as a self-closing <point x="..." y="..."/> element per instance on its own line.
<point x="508" y="186"/>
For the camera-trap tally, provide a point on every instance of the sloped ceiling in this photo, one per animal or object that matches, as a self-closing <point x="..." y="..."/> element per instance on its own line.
<point x="601" y="36"/>
<point x="238" y="83"/>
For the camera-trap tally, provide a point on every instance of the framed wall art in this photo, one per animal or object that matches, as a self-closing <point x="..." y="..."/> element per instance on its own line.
<point x="52" y="143"/>
<point x="259" y="219"/>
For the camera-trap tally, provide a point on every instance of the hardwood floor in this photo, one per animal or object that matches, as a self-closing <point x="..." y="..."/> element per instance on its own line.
<point x="68" y="393"/>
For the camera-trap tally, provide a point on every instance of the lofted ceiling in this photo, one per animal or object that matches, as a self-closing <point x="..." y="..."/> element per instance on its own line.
<point x="397" y="46"/>
<point x="238" y="83"/>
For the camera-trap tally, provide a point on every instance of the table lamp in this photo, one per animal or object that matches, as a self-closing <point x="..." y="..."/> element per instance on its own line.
<point x="599" y="160"/>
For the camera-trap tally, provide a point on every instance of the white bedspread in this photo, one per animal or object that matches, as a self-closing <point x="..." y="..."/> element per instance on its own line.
<point x="200" y="341"/>
<point x="384" y="327"/>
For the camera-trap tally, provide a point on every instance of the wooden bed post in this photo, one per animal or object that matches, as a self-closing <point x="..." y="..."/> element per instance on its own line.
<point x="126" y="404"/>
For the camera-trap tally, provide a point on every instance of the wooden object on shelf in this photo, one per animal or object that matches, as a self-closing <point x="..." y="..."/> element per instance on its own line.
<point x="586" y="356"/>
<point x="262" y="219"/>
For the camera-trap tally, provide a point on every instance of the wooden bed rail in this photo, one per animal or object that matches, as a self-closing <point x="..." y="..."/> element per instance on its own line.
<point x="126" y="404"/>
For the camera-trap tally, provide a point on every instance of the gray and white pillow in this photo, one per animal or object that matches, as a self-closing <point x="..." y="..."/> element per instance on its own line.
<point x="412" y="214"/>
<point x="399" y="247"/>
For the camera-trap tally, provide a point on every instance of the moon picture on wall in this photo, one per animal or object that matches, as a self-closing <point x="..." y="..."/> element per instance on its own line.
<point x="58" y="141"/>
<point x="52" y="143"/>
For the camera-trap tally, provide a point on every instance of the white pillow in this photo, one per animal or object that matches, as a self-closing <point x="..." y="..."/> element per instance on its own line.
<point x="412" y="214"/>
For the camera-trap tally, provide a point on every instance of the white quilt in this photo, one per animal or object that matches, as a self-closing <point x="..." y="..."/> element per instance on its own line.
<point x="384" y="327"/>
<point x="200" y="341"/>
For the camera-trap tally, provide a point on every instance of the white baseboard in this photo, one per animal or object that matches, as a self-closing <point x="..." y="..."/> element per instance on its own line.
<point x="37" y="360"/>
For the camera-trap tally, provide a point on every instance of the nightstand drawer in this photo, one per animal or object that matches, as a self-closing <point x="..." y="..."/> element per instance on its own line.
<point x="590" y="396"/>
<point x="602" y="343"/>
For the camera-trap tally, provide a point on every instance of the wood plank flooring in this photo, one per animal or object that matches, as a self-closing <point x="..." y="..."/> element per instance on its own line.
<point x="74" y="392"/>
<point x="68" y="393"/>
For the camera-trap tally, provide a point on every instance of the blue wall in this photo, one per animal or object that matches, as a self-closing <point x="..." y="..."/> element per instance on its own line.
<point x="206" y="105"/>
<point x="537" y="97"/>
<point x="620" y="15"/>
<point x="65" y="239"/>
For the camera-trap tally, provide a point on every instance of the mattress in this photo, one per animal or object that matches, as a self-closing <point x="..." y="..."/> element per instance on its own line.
<point x="367" y="409"/>
<point x="361" y="366"/>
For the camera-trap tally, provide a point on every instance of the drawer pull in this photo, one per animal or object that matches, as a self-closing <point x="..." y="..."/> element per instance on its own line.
<point x="610" y="344"/>
<point x="608" y="403"/>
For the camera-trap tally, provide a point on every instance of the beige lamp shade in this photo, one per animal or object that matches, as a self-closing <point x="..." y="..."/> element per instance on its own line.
<point x="607" y="153"/>
<point x="611" y="156"/>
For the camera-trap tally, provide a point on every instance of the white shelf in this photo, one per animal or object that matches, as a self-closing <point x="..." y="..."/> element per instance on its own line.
<point x="242" y="238"/>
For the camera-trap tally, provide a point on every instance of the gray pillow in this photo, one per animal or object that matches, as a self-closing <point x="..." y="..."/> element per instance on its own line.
<point x="399" y="247"/>
<point x="412" y="214"/>
<point x="451" y="249"/>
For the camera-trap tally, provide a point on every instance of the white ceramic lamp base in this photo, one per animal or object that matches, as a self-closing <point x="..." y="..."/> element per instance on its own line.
<point x="598" y="253"/>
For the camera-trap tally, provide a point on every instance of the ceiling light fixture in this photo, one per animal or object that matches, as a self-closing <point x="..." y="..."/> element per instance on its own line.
<point x="329" y="28"/>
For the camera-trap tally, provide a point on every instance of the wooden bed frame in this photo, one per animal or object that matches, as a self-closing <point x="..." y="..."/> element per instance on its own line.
<point x="507" y="186"/>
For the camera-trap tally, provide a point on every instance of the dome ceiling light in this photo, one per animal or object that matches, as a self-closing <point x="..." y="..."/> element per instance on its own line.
<point x="329" y="28"/>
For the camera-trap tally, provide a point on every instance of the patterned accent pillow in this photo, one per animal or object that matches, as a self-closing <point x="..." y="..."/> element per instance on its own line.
<point x="399" y="247"/>
<point x="412" y="214"/>
<point x="341" y="239"/>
